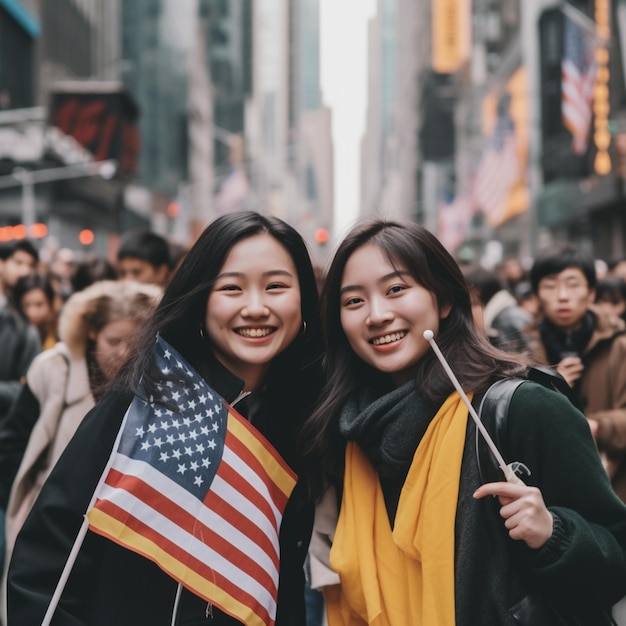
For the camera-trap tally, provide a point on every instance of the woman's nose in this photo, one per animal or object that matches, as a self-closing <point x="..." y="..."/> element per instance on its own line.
<point x="378" y="314"/>
<point x="255" y="306"/>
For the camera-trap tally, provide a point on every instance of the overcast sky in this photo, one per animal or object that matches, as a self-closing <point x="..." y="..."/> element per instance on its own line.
<point x="344" y="80"/>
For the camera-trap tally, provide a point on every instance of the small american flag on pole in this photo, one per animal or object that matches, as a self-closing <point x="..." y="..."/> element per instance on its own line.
<point x="578" y="75"/>
<point x="498" y="169"/>
<point x="200" y="492"/>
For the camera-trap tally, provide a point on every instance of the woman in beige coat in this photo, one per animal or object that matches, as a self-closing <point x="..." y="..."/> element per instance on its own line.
<point x="96" y="328"/>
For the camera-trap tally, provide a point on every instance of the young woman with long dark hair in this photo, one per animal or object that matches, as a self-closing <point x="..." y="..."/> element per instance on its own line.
<point x="241" y="310"/>
<point x="404" y="532"/>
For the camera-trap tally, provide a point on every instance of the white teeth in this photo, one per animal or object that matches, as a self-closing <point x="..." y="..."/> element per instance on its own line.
<point x="379" y="341"/>
<point x="254" y="332"/>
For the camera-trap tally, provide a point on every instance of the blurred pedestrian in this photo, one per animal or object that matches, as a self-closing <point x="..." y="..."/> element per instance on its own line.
<point x="19" y="340"/>
<point x="503" y="319"/>
<point x="90" y="270"/>
<point x="17" y="259"/>
<point x="415" y="540"/>
<point x="611" y="296"/>
<point x="34" y="298"/>
<point x="587" y="348"/>
<point x="97" y="327"/>
<point x="144" y="256"/>
<point x="240" y="315"/>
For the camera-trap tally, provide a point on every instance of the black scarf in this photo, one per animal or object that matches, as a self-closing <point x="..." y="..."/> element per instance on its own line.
<point x="388" y="428"/>
<point x="559" y="343"/>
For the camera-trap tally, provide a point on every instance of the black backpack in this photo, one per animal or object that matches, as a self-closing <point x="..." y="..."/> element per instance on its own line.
<point x="493" y="412"/>
<point x="534" y="609"/>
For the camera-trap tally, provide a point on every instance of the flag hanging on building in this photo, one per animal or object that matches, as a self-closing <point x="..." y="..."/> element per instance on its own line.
<point x="196" y="489"/>
<point x="578" y="75"/>
<point x="499" y="167"/>
<point x="455" y="216"/>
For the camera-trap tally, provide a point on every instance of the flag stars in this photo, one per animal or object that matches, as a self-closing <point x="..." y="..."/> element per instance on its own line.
<point x="187" y="422"/>
<point x="189" y="451"/>
<point x="182" y="468"/>
<point x="204" y="430"/>
<point x="170" y="439"/>
<point x="193" y="434"/>
<point x="152" y="428"/>
<point x="145" y="446"/>
<point x="193" y="466"/>
<point x="175" y="396"/>
<point x="198" y="481"/>
<point x="139" y="432"/>
<point x="164" y="457"/>
<point x="167" y="354"/>
<point x="191" y="404"/>
<point x="176" y="453"/>
<point x="158" y="442"/>
<point x="215" y="427"/>
<point x="211" y="443"/>
<point x="200" y="448"/>
<point x="206" y="462"/>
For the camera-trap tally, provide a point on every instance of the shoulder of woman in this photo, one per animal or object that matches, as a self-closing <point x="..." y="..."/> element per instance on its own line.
<point x="49" y="365"/>
<point x="545" y="413"/>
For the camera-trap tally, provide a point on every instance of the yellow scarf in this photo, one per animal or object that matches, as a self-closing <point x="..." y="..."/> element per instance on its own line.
<point x="403" y="577"/>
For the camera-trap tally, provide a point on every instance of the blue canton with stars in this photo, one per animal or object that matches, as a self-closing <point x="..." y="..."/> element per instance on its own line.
<point x="186" y="444"/>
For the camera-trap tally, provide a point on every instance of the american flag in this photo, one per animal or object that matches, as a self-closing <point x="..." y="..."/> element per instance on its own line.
<point x="196" y="489"/>
<point x="498" y="170"/>
<point x="578" y="75"/>
<point x="455" y="216"/>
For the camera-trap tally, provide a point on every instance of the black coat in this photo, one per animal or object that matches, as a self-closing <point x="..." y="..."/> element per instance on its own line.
<point x="110" y="585"/>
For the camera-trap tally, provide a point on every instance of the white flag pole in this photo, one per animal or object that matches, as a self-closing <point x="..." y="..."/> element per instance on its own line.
<point x="509" y="474"/>
<point x="65" y="574"/>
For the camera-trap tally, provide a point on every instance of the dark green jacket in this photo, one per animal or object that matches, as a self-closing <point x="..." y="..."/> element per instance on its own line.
<point x="583" y="563"/>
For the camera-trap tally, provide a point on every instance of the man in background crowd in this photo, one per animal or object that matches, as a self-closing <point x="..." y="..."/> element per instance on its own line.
<point x="145" y="257"/>
<point x="19" y="341"/>
<point x="587" y="348"/>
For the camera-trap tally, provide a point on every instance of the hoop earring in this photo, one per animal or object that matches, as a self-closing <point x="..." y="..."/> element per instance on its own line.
<point x="303" y="328"/>
<point x="202" y="332"/>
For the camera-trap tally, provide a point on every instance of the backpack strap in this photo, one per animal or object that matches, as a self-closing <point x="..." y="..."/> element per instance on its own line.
<point x="493" y="412"/>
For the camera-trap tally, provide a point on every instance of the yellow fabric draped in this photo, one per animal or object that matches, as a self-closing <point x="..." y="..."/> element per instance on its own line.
<point x="403" y="577"/>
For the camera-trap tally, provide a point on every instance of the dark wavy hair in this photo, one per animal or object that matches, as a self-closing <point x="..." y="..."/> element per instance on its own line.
<point x="475" y="362"/>
<point x="181" y="312"/>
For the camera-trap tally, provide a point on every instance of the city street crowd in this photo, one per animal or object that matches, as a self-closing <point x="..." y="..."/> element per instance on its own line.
<point x="392" y="520"/>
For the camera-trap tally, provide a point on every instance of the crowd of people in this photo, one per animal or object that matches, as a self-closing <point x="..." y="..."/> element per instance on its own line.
<point x="386" y="519"/>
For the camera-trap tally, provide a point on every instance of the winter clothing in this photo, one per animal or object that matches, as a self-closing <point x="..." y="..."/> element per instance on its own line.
<point x="112" y="585"/>
<point x="581" y="568"/>
<point x="20" y="344"/>
<point x="507" y="320"/>
<point x="602" y="386"/>
<point x="413" y="565"/>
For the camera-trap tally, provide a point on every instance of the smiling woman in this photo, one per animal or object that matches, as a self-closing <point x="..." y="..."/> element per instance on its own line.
<point x="232" y="315"/>
<point x="404" y="532"/>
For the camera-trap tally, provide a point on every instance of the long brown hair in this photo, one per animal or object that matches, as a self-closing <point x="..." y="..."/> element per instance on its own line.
<point x="475" y="362"/>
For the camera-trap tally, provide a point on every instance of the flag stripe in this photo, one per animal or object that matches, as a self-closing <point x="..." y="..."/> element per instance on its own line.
<point x="197" y="553"/>
<point x="272" y="462"/>
<point x="206" y="523"/>
<point x="235" y="477"/>
<point x="578" y="72"/>
<point x="204" y="515"/>
<point x="250" y="613"/>
<point x="254" y="462"/>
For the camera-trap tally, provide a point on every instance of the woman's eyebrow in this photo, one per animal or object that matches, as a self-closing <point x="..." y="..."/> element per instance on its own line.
<point x="382" y="279"/>
<point x="276" y="272"/>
